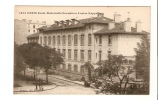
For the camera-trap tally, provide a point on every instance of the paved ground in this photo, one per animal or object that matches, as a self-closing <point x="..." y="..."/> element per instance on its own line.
<point x="60" y="86"/>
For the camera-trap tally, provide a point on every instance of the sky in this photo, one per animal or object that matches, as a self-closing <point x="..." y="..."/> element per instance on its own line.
<point x="40" y="13"/>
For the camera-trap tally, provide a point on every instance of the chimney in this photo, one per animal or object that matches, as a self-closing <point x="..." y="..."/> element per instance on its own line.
<point x="100" y="14"/>
<point x="139" y="26"/>
<point x="62" y="23"/>
<point x="67" y="22"/>
<point x="117" y="18"/>
<point x="44" y="22"/>
<point x="111" y="25"/>
<point x="23" y="19"/>
<point x="29" y="21"/>
<point x="74" y="21"/>
<point x="56" y="23"/>
<point x="127" y="25"/>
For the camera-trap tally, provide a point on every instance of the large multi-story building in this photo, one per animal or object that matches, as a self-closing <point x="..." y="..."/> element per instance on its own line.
<point x="23" y="28"/>
<point x="90" y="40"/>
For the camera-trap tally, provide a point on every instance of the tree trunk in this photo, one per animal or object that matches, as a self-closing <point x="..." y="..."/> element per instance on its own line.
<point x="46" y="76"/>
<point x="24" y="71"/>
<point x="34" y="74"/>
<point x="126" y="84"/>
<point x="120" y="91"/>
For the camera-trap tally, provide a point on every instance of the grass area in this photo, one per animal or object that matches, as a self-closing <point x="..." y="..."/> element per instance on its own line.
<point x="17" y="85"/>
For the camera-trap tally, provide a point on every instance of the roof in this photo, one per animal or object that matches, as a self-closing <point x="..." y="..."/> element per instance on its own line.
<point x="81" y="23"/>
<point x="119" y="29"/>
<point x="43" y="27"/>
<point x="34" y="35"/>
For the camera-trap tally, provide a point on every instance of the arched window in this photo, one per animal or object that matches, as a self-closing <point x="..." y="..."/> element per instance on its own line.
<point x="49" y="40"/>
<point x="82" y="40"/>
<point x="45" y="40"/>
<point x="54" y="40"/>
<point x="89" y="39"/>
<point x="64" y="40"/>
<point x="69" y="40"/>
<point x="58" y="40"/>
<point x="75" y="40"/>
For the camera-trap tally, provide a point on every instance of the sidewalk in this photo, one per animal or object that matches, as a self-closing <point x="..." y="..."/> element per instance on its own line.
<point x="68" y="80"/>
<point x="29" y="87"/>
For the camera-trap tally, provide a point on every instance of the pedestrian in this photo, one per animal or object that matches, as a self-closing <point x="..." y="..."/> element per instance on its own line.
<point x="39" y="83"/>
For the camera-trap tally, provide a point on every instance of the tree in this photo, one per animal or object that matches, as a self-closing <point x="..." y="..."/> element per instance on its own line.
<point x="31" y="54"/>
<point x="115" y="72"/>
<point x="142" y="64"/>
<point x="18" y="61"/>
<point x="36" y="55"/>
<point x="51" y="58"/>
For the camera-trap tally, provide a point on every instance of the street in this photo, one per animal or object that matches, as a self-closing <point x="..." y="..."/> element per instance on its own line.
<point x="59" y="86"/>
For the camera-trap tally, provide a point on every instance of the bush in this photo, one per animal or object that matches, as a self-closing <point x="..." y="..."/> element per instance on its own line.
<point x="86" y="84"/>
<point x="98" y="84"/>
<point x="51" y="72"/>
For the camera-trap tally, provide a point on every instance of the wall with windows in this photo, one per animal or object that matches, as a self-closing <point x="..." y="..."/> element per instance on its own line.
<point x="77" y="45"/>
<point x="32" y="26"/>
<point x="127" y="43"/>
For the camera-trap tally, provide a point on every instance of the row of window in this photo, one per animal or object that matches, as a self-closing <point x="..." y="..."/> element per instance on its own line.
<point x="82" y="55"/>
<point x="75" y="40"/>
<point x="109" y="40"/>
<point x="64" y="40"/>
<point x="75" y="68"/>
<point x="33" y="26"/>
<point x="29" y="30"/>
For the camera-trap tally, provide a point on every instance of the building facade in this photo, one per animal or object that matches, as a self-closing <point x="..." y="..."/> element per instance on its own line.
<point x="90" y="40"/>
<point x="23" y="28"/>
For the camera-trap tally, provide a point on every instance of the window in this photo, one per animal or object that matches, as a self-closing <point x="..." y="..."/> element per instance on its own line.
<point x="82" y="40"/>
<point x="82" y="55"/>
<point x="58" y="40"/>
<point x="64" y="53"/>
<point x="45" y="40"/>
<point x="75" y="54"/>
<point x="54" y="40"/>
<point x="96" y="55"/>
<point x="69" y="67"/>
<point x="69" y="40"/>
<point x="28" y="30"/>
<point x="89" y="39"/>
<point x="109" y="52"/>
<point x="28" y="25"/>
<point x="89" y="54"/>
<point x="75" y="68"/>
<point x="59" y="50"/>
<point x="109" y="40"/>
<point x="82" y="70"/>
<point x="100" y="40"/>
<point x="33" y="26"/>
<point x="69" y="54"/>
<point x="64" y="40"/>
<point x="49" y="40"/>
<point x="75" y="40"/>
<point x="64" y="66"/>
<point x="89" y="27"/>
<point x="100" y="53"/>
<point x="33" y="30"/>
<point x="41" y="40"/>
